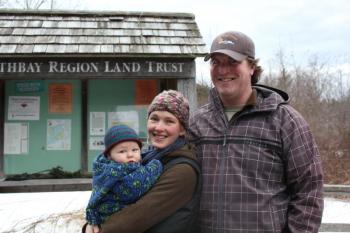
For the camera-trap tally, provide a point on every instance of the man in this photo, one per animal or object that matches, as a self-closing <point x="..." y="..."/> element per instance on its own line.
<point x="261" y="167"/>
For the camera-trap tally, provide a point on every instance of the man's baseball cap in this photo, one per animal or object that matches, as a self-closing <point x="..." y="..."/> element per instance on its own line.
<point x="234" y="44"/>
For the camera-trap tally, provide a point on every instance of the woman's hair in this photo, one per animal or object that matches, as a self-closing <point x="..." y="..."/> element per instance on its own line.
<point x="257" y="71"/>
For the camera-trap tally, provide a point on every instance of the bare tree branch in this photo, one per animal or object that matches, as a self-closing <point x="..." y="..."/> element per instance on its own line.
<point x="40" y="4"/>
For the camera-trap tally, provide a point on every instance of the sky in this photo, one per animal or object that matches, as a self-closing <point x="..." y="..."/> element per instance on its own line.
<point x="301" y="29"/>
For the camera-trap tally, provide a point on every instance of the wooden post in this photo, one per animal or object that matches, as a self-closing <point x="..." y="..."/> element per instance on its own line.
<point x="188" y="88"/>
<point x="2" y="120"/>
<point x="84" y="125"/>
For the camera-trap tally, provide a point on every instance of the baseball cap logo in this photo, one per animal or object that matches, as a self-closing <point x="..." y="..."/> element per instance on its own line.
<point x="226" y="42"/>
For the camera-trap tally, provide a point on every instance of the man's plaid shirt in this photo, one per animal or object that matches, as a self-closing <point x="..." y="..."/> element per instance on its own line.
<point x="261" y="170"/>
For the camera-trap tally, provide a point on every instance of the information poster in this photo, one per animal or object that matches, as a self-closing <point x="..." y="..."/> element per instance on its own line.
<point x="130" y="118"/>
<point x="97" y="123"/>
<point x="143" y="97"/>
<point x="96" y="143"/>
<point x="60" y="98"/>
<point x="16" y="138"/>
<point x="23" y="107"/>
<point x="58" y="134"/>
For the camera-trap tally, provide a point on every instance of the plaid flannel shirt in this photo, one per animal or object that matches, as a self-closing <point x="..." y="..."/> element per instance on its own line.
<point x="261" y="170"/>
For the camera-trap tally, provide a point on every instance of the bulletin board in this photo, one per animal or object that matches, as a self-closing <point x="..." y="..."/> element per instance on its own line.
<point x="49" y="137"/>
<point x="47" y="116"/>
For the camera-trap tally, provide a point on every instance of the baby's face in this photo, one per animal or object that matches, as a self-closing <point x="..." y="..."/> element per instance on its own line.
<point x="126" y="152"/>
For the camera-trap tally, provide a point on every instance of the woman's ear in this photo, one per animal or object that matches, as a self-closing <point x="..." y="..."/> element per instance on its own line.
<point x="182" y="131"/>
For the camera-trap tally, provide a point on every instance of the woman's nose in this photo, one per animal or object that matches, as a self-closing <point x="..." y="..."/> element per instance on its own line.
<point x="158" y="126"/>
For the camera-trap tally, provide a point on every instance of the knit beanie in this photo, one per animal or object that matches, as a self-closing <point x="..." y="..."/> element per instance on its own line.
<point x="173" y="102"/>
<point x="120" y="133"/>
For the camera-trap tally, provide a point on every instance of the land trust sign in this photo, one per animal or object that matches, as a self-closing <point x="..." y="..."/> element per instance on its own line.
<point x="103" y="67"/>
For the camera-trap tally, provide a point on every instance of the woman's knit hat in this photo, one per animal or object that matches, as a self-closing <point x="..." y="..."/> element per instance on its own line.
<point x="173" y="102"/>
<point x="120" y="133"/>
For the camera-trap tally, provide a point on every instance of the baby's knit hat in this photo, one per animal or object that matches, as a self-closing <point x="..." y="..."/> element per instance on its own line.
<point x="120" y="133"/>
<point x="173" y="102"/>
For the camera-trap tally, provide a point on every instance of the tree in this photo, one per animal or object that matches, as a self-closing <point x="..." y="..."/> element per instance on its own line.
<point x="321" y="95"/>
<point x="203" y="89"/>
<point x="26" y="4"/>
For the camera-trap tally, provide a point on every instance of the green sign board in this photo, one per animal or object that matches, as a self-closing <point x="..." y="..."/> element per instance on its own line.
<point x="29" y="86"/>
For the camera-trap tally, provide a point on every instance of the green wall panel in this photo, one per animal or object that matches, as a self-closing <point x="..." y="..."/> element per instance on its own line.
<point x="113" y="96"/>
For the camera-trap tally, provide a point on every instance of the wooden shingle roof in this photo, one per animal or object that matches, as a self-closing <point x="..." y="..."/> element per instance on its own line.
<point x="33" y="33"/>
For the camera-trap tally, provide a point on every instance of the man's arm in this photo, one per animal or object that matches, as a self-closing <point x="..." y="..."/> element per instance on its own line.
<point x="304" y="175"/>
<point x="173" y="190"/>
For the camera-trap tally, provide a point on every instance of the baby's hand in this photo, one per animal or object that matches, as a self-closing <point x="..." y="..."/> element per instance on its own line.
<point x="95" y="229"/>
<point x="89" y="229"/>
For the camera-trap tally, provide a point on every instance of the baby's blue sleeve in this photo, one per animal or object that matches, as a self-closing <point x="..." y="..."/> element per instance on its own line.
<point x="137" y="183"/>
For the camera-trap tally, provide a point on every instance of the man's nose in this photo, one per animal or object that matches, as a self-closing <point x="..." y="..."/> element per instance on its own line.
<point x="223" y="68"/>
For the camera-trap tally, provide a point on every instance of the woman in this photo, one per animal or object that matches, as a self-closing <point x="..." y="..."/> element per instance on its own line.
<point x="172" y="204"/>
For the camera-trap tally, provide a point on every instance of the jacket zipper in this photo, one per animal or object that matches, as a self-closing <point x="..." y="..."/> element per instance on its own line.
<point x="221" y="185"/>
